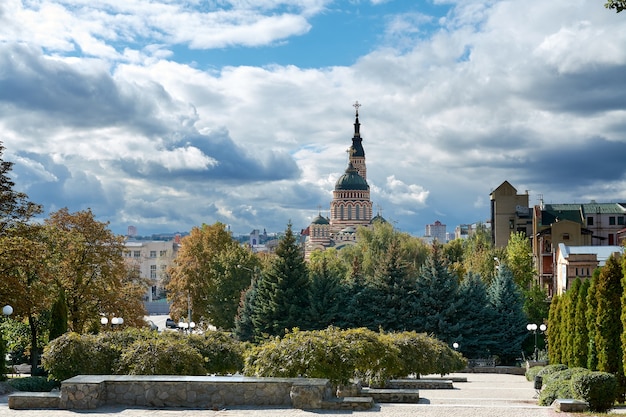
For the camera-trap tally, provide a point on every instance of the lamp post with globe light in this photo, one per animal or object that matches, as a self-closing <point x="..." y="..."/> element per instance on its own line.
<point x="532" y="327"/>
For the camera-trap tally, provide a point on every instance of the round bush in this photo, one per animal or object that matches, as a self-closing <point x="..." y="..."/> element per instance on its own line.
<point x="555" y="389"/>
<point x="221" y="353"/>
<point x="72" y="354"/>
<point x="532" y="372"/>
<point x="161" y="356"/>
<point x="599" y="389"/>
<point x="549" y="369"/>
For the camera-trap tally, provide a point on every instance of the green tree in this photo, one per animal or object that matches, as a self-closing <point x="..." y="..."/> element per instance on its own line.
<point x="608" y="317"/>
<point x="327" y="292"/>
<point x="15" y="207"/>
<point x="480" y="257"/>
<point x="508" y="324"/>
<point x="554" y="330"/>
<point x="474" y="317"/>
<point x="453" y="252"/>
<point x="617" y="5"/>
<point x="391" y="293"/>
<point x="519" y="260"/>
<point x="282" y="296"/>
<point x="58" y="316"/>
<point x="208" y="275"/>
<point x="568" y="315"/>
<point x="581" y="334"/>
<point x="591" y="313"/>
<point x="438" y="303"/>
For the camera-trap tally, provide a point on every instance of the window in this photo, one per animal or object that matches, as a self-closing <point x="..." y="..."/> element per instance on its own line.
<point x="612" y="220"/>
<point x="620" y="220"/>
<point x="565" y="236"/>
<point x="341" y="213"/>
<point x="153" y="254"/>
<point x="153" y="270"/>
<point x="136" y="254"/>
<point x="589" y="221"/>
<point x="358" y="212"/>
<point x="163" y="253"/>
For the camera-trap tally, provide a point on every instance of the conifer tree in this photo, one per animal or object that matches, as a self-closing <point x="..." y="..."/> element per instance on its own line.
<point x="282" y="298"/>
<point x="392" y="296"/>
<point x="508" y="324"/>
<point x="592" y="305"/>
<point x="244" y="327"/>
<point x="58" y="316"/>
<point x="327" y="292"/>
<point x="438" y="304"/>
<point x="473" y="316"/>
<point x="554" y="330"/>
<point x="359" y="299"/>
<point x="608" y="317"/>
<point x="581" y="335"/>
<point x="568" y="316"/>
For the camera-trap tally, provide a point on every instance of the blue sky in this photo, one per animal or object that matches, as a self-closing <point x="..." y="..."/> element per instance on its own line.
<point x="165" y="115"/>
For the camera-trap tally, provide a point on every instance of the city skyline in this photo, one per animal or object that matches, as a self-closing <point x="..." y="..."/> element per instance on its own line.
<point x="166" y="116"/>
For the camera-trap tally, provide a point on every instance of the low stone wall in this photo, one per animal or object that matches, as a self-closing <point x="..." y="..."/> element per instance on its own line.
<point x="92" y="391"/>
<point x="415" y="383"/>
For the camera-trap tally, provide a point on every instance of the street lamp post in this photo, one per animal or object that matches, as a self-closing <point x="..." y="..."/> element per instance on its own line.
<point x="532" y="327"/>
<point x="115" y="321"/>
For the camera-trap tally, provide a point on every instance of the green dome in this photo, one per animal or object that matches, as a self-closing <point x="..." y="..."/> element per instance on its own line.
<point x="351" y="180"/>
<point x="320" y="220"/>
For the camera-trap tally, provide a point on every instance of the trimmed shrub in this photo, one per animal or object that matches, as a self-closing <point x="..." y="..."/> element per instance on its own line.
<point x="549" y="369"/>
<point x="72" y="354"/>
<point x="221" y="353"/>
<point x="532" y="372"/>
<point x="558" y="385"/>
<point x="161" y="356"/>
<point x="33" y="384"/>
<point x="422" y="355"/>
<point x="599" y="389"/>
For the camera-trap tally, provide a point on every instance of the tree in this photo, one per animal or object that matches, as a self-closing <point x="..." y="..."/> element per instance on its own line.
<point x="327" y="290"/>
<point x="568" y="316"/>
<point x="473" y="316"/>
<point x="208" y="275"/>
<point x="15" y="208"/>
<point x="591" y="312"/>
<point x="90" y="268"/>
<point x="58" y="316"/>
<point x="27" y="278"/>
<point x="617" y="5"/>
<point x="608" y="317"/>
<point x="480" y="257"/>
<point x="581" y="335"/>
<point x="437" y="298"/>
<point x="508" y="324"/>
<point x="282" y="296"/>
<point x="391" y="293"/>
<point x="554" y="330"/>
<point x="519" y="260"/>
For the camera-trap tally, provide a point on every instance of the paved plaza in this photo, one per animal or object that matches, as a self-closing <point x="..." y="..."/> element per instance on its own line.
<point x="484" y="395"/>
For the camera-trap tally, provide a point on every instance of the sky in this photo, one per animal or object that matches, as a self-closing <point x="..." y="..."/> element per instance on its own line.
<point x="166" y="114"/>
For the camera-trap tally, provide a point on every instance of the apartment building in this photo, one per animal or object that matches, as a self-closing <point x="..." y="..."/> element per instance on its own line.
<point x="579" y="262"/>
<point x="151" y="258"/>
<point x="510" y="213"/>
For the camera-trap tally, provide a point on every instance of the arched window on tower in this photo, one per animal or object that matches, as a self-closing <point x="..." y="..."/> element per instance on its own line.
<point x="358" y="212"/>
<point x="341" y="213"/>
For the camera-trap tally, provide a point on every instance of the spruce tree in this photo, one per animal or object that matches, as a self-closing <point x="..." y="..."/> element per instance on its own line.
<point x="473" y="317"/>
<point x="392" y="293"/>
<point x="244" y="327"/>
<point x="327" y="296"/>
<point x="358" y="301"/>
<point x="608" y="317"/>
<point x="554" y="330"/>
<point x="282" y="298"/>
<point x="508" y="324"/>
<point x="581" y="335"/>
<point x="437" y="309"/>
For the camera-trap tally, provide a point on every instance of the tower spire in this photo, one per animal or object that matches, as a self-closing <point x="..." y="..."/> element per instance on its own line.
<point x="357" y="125"/>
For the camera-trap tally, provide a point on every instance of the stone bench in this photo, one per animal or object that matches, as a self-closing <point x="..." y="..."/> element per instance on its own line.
<point x="391" y="395"/>
<point x="567" y="405"/>
<point x="34" y="400"/>
<point x="93" y="391"/>
<point x="415" y="383"/>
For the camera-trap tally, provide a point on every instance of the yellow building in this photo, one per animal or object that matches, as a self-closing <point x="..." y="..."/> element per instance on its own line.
<point x="510" y="213"/>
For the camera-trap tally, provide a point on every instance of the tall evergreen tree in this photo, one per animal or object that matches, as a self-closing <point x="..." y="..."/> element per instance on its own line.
<point x="244" y="327"/>
<point x="508" y="324"/>
<point x="608" y="317"/>
<point x="438" y="304"/>
<point x="282" y="298"/>
<point x="554" y="330"/>
<point x="581" y="335"/>
<point x="592" y="306"/>
<point x="358" y="302"/>
<point x="392" y="296"/>
<point x="327" y="293"/>
<point x="473" y="317"/>
<point x="58" y="316"/>
<point x="568" y="315"/>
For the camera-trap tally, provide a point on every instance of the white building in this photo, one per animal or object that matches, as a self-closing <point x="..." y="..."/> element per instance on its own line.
<point x="580" y="261"/>
<point x="151" y="258"/>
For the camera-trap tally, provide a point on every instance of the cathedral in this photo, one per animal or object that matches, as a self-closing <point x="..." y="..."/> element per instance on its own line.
<point x="351" y="206"/>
